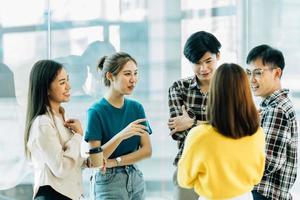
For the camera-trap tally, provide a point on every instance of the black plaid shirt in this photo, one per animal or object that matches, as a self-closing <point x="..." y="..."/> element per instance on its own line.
<point x="186" y="92"/>
<point x="278" y="120"/>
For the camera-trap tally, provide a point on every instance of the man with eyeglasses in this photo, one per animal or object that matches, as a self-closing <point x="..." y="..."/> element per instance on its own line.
<point x="188" y="96"/>
<point x="278" y="120"/>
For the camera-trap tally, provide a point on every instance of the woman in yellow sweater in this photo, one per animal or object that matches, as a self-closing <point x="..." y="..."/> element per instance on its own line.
<point x="225" y="158"/>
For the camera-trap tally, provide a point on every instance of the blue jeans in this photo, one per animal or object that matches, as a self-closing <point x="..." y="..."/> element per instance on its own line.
<point x="120" y="183"/>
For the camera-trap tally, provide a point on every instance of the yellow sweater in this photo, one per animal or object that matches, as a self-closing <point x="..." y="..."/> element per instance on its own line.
<point x="219" y="167"/>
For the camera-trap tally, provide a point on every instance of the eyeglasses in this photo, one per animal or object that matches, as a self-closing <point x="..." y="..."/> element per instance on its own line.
<point x="256" y="73"/>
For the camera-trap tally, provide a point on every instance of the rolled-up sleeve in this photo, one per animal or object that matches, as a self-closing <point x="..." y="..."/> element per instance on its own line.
<point x="276" y="126"/>
<point x="190" y="164"/>
<point x="175" y="104"/>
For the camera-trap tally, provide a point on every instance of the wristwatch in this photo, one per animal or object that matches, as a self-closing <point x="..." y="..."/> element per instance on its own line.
<point x="118" y="160"/>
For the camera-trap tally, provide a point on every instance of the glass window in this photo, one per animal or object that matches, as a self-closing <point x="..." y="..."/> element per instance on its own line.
<point x="78" y="33"/>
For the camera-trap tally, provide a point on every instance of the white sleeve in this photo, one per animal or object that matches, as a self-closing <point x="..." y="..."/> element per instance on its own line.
<point x="60" y="159"/>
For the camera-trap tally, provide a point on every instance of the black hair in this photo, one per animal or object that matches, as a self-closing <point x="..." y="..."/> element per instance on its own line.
<point x="42" y="74"/>
<point x="198" y="44"/>
<point x="113" y="64"/>
<point x="267" y="54"/>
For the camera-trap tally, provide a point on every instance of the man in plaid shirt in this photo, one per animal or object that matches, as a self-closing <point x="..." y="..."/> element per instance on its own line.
<point x="278" y="120"/>
<point x="188" y="97"/>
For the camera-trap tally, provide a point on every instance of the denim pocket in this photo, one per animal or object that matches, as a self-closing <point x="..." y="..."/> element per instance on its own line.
<point x="103" y="179"/>
<point x="139" y="173"/>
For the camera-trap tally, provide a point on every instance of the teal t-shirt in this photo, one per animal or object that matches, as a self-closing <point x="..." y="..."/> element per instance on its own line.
<point x="104" y="121"/>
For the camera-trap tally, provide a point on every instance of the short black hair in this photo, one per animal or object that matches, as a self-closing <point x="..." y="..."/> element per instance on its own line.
<point x="198" y="44"/>
<point x="267" y="54"/>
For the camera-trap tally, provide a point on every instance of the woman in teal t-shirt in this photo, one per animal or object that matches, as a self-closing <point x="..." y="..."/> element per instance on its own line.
<point x="119" y="125"/>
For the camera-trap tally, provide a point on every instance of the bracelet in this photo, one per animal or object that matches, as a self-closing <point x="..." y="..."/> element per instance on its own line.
<point x="95" y="150"/>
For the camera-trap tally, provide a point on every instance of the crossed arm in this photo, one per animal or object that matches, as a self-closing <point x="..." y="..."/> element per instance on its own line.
<point x="132" y="129"/>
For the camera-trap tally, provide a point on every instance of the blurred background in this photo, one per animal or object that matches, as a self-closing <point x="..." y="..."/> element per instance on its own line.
<point x="77" y="33"/>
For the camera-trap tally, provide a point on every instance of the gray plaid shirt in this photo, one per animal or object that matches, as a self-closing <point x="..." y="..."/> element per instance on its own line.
<point x="278" y="120"/>
<point x="186" y="92"/>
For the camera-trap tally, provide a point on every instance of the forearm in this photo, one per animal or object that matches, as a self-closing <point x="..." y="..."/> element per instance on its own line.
<point x="182" y="122"/>
<point x="133" y="157"/>
<point x="180" y="135"/>
<point x="110" y="146"/>
<point x="192" y="122"/>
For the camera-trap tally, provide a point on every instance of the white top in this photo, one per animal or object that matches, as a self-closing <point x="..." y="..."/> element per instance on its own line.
<point x="55" y="155"/>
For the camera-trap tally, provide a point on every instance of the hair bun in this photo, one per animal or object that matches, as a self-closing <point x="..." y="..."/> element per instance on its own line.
<point x="101" y="62"/>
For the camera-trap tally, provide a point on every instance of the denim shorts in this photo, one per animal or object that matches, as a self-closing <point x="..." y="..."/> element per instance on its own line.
<point x="120" y="183"/>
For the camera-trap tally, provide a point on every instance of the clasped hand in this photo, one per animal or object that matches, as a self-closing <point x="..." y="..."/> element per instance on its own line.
<point x="180" y="123"/>
<point x="74" y="125"/>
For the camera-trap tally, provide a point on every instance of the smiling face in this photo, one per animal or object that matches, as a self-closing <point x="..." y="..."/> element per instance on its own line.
<point x="59" y="90"/>
<point x="264" y="78"/>
<point x="206" y="66"/>
<point x="125" y="81"/>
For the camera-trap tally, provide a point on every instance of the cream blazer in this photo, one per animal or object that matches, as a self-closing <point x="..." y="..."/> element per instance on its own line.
<point x="55" y="156"/>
